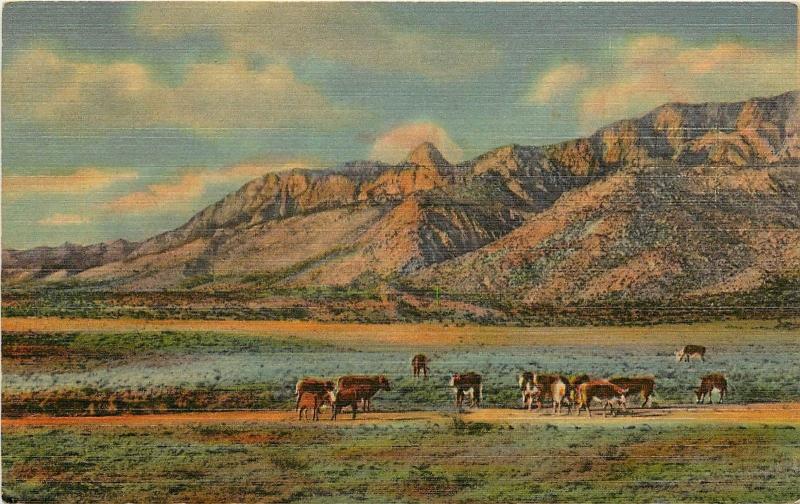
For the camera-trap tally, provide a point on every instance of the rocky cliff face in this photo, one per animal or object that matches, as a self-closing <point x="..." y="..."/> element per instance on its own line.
<point x="686" y="200"/>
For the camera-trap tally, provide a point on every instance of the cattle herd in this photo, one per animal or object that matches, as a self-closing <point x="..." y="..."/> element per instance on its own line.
<point x="579" y="391"/>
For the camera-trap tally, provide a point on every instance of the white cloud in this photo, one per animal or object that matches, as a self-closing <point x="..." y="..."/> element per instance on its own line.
<point x="557" y="83"/>
<point x="41" y="86"/>
<point x="357" y="35"/>
<point x="649" y="70"/>
<point x="395" y="145"/>
<point x="62" y="219"/>
<point x="82" y="181"/>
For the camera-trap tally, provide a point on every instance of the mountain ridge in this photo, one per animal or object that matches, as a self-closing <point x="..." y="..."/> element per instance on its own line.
<point x="427" y="221"/>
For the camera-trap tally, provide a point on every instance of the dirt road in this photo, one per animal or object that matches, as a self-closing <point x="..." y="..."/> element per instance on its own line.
<point x="782" y="413"/>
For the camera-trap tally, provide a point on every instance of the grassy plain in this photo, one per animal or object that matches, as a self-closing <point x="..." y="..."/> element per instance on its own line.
<point x="419" y="449"/>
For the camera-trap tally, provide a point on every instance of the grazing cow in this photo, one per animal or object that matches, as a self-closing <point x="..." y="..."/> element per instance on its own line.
<point x="313" y="385"/>
<point x="600" y="390"/>
<point x="550" y="386"/>
<point x="467" y="383"/>
<point x="419" y="364"/>
<point x="708" y="384"/>
<point x="644" y="385"/>
<point x="690" y="351"/>
<point x="574" y="382"/>
<point x="313" y="401"/>
<point x="349" y="396"/>
<point x="372" y="383"/>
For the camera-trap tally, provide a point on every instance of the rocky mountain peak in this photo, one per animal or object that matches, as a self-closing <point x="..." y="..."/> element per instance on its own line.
<point x="427" y="155"/>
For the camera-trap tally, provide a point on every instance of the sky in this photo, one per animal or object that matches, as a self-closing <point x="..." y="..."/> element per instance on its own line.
<point x="121" y="120"/>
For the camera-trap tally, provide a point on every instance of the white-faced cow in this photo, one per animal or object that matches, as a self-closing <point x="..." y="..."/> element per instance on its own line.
<point x="690" y="351"/>
<point x="464" y="384"/>
<point x="602" y="391"/>
<point x="708" y="384"/>
<point x="419" y="365"/>
<point x="313" y="385"/>
<point x="371" y="385"/>
<point x="535" y="386"/>
<point x="643" y="385"/>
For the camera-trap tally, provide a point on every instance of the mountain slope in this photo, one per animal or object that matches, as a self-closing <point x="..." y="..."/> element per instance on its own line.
<point x="687" y="200"/>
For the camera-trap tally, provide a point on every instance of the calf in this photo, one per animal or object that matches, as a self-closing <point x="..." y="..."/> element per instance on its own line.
<point x="313" y="401"/>
<point x="552" y="386"/>
<point x="419" y="364"/>
<point x="467" y="383"/>
<point x="371" y="384"/>
<point x="313" y="385"/>
<point x="349" y="395"/>
<point x="643" y="385"/>
<point x="690" y="351"/>
<point x="707" y="385"/>
<point x="600" y="390"/>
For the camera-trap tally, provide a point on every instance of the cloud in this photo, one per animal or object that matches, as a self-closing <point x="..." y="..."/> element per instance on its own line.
<point x="652" y="70"/>
<point x="62" y="219"/>
<point x="395" y="145"/>
<point x="82" y="181"/>
<point x="557" y="83"/>
<point x="357" y="35"/>
<point x="41" y="86"/>
<point x="187" y="188"/>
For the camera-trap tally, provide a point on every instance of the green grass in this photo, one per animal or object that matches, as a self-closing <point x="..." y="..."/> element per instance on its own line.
<point x="451" y="462"/>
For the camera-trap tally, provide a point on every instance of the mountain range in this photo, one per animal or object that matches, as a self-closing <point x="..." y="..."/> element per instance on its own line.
<point x="687" y="202"/>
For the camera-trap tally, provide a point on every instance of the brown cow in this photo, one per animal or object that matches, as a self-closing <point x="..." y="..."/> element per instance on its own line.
<point x="350" y="395"/>
<point x="690" y="351"/>
<point x="419" y="364"/>
<point x="373" y="383"/>
<point x="313" y="385"/>
<point x="575" y="382"/>
<point x="708" y="384"/>
<point x="313" y="401"/>
<point x="644" y="385"/>
<point x="550" y="386"/>
<point x="467" y="383"/>
<point x="600" y="390"/>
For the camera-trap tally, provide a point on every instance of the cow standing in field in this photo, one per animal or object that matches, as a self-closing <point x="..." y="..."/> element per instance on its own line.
<point x="603" y="391"/>
<point x="370" y="385"/>
<point x="575" y="382"/>
<point x="708" y="384"/>
<point x="550" y="386"/>
<point x="419" y="364"/>
<point x="467" y="383"/>
<point x="349" y="396"/>
<point x="313" y="401"/>
<point x="312" y="385"/>
<point x="690" y="351"/>
<point x="643" y="385"/>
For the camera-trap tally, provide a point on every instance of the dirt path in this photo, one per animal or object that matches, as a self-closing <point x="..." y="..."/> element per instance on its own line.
<point x="782" y="413"/>
<point x="424" y="334"/>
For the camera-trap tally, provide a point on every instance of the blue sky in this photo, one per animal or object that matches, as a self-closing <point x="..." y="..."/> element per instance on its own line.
<point x="122" y="120"/>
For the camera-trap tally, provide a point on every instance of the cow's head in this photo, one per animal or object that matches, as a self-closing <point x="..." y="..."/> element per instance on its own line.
<point x="329" y="398"/>
<point x="383" y="383"/>
<point x="524" y="379"/>
<point x="679" y="355"/>
<point x="454" y="378"/>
